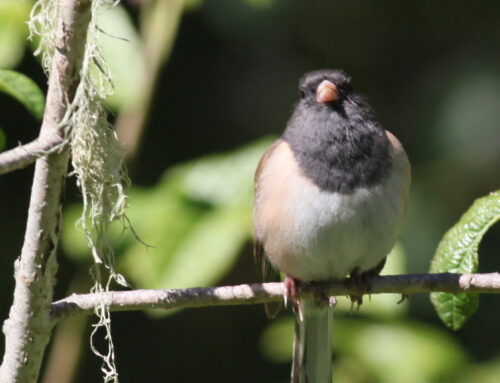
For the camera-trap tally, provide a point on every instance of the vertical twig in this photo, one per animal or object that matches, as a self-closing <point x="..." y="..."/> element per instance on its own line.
<point x="159" y="24"/>
<point x="28" y="328"/>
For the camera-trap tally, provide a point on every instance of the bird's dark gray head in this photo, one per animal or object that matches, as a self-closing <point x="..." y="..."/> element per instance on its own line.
<point x="334" y="136"/>
<point x="326" y="86"/>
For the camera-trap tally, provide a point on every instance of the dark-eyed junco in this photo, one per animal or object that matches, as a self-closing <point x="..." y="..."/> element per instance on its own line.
<point x="330" y="198"/>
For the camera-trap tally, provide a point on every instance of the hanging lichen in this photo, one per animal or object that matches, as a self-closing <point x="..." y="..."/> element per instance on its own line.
<point x="97" y="157"/>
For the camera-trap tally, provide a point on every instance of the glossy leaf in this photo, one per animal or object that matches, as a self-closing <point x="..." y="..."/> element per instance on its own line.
<point x="24" y="90"/>
<point x="458" y="253"/>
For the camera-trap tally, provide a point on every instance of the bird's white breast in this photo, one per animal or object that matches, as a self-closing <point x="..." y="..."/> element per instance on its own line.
<point x="313" y="234"/>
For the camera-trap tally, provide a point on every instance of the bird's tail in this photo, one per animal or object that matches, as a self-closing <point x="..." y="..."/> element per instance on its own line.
<point x="312" y="347"/>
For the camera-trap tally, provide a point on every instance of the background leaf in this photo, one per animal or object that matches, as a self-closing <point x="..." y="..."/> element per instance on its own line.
<point x="458" y="253"/>
<point x="429" y="355"/>
<point x="124" y="53"/>
<point x="24" y="90"/>
<point x="13" y="31"/>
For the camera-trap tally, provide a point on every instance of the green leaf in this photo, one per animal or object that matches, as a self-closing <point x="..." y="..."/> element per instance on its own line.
<point x="455" y="309"/>
<point x="24" y="90"/>
<point x="13" y="31"/>
<point x="203" y="253"/>
<point x="458" y="253"/>
<point x="120" y="44"/>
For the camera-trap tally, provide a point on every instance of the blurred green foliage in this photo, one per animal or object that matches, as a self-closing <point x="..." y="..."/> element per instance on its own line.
<point x="13" y="31"/>
<point x="375" y="350"/>
<point x="196" y="220"/>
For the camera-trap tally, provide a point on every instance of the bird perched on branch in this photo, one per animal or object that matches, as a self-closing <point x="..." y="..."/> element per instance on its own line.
<point x="331" y="195"/>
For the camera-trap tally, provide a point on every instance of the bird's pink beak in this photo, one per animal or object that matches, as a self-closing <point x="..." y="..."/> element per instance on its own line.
<point x="326" y="92"/>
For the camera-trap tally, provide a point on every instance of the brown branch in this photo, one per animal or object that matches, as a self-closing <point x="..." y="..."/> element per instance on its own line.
<point x="24" y="155"/>
<point x="28" y="328"/>
<point x="267" y="292"/>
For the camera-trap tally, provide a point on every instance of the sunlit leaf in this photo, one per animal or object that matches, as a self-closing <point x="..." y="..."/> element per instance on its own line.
<point x="72" y="238"/>
<point x="13" y="31"/>
<point x="24" y="90"/>
<point x="203" y="254"/>
<point x="458" y="253"/>
<point x="224" y="179"/>
<point x="123" y="51"/>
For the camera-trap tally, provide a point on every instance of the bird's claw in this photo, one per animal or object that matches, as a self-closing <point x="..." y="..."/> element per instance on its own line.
<point x="292" y="291"/>
<point x="362" y="281"/>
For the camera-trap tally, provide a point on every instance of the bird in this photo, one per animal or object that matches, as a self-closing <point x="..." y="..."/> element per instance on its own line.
<point x="330" y="198"/>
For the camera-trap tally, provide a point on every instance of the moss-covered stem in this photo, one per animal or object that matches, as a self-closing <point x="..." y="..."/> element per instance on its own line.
<point x="28" y="328"/>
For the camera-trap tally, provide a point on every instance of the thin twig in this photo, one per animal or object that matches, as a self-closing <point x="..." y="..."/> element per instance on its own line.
<point x="267" y="292"/>
<point x="24" y="155"/>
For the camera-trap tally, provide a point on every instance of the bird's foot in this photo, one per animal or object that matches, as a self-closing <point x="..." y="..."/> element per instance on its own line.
<point x="291" y="290"/>
<point x="362" y="281"/>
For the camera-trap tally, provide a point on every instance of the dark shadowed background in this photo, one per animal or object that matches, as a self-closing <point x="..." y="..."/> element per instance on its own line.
<point x="431" y="71"/>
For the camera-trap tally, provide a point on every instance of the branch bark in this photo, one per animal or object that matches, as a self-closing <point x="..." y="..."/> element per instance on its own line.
<point x="24" y="155"/>
<point x="267" y="292"/>
<point x="28" y="328"/>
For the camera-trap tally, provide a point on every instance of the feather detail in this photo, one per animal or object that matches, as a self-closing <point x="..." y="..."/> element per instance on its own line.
<point x="268" y="272"/>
